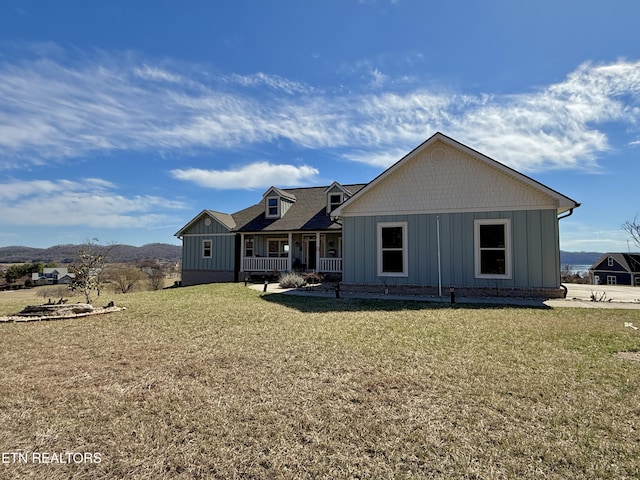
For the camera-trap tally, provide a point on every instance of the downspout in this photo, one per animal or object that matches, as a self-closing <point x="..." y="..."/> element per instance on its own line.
<point x="439" y="266"/>
<point x="570" y="212"/>
<point x="567" y="215"/>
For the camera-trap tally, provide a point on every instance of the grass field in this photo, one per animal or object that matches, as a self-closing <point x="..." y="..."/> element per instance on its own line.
<point x="219" y="381"/>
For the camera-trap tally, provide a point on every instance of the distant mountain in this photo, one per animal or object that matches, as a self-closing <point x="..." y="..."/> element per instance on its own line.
<point x="172" y="253"/>
<point x="579" y="258"/>
<point x="68" y="253"/>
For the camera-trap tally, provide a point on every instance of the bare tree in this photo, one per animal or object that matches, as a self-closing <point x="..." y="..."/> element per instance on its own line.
<point x="155" y="271"/>
<point x="89" y="269"/>
<point x="124" y="277"/>
<point x="633" y="229"/>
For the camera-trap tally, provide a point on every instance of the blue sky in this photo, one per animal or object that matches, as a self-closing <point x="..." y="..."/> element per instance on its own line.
<point x="121" y="120"/>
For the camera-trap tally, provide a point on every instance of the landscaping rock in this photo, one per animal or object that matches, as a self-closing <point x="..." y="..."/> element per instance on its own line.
<point x="56" y="310"/>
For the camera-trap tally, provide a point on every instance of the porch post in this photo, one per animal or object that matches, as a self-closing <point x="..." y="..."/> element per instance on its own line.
<point x="242" y="252"/>
<point x="290" y="250"/>
<point x="317" y="251"/>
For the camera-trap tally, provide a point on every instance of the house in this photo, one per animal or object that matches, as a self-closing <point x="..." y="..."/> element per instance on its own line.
<point x="52" y="276"/>
<point x="289" y="229"/>
<point x="616" y="269"/>
<point x="444" y="215"/>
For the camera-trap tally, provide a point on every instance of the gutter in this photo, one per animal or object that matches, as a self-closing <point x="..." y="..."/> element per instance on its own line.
<point x="570" y="212"/>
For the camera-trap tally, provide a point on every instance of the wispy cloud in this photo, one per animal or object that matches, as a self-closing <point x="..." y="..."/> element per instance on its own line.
<point x="255" y="175"/>
<point x="54" y="108"/>
<point x="90" y="202"/>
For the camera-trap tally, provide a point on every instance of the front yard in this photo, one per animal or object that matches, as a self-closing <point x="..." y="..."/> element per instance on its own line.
<point x="219" y="381"/>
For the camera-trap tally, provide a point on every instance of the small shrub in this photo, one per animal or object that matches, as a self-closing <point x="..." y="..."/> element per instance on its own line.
<point x="313" y="277"/>
<point x="292" y="280"/>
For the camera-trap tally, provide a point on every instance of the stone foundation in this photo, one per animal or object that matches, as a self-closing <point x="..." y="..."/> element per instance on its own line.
<point x="424" y="290"/>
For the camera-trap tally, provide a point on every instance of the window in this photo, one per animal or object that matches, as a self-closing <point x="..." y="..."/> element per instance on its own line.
<point x="611" y="280"/>
<point x="335" y="200"/>
<point x="207" y="248"/>
<point x="248" y="247"/>
<point x="273" y="207"/>
<point x="610" y="262"/>
<point x="278" y="248"/>
<point x="392" y="249"/>
<point x="493" y="248"/>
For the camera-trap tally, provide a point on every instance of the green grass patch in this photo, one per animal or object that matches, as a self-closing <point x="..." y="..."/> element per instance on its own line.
<point x="220" y="381"/>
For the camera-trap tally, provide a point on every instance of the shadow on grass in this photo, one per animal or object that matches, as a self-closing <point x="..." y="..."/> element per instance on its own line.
<point x="315" y="304"/>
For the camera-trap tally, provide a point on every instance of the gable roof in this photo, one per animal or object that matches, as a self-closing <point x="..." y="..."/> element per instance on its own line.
<point x="629" y="261"/>
<point x="437" y="190"/>
<point x="307" y="213"/>
<point x="223" y="219"/>
<point x="280" y="193"/>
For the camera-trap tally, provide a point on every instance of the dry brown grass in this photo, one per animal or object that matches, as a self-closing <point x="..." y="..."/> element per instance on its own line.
<point x="221" y="382"/>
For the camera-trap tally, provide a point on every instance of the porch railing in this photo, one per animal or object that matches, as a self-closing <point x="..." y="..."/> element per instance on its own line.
<point x="278" y="264"/>
<point x="265" y="264"/>
<point x="330" y="265"/>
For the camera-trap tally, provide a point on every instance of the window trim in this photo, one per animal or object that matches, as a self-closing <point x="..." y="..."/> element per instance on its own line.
<point x="283" y="247"/>
<point x="612" y="280"/>
<point x="267" y="207"/>
<point x="610" y="261"/>
<point x="405" y="249"/>
<point x="508" y="252"/>
<point x="249" y="240"/>
<point x="204" y="248"/>
<point x="332" y="206"/>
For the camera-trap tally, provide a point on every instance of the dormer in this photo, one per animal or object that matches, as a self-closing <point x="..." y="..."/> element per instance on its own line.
<point x="336" y="196"/>
<point x="277" y="202"/>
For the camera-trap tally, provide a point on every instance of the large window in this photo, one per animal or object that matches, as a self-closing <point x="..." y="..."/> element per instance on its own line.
<point x="207" y="246"/>
<point x="493" y="248"/>
<point x="278" y="247"/>
<point x="392" y="249"/>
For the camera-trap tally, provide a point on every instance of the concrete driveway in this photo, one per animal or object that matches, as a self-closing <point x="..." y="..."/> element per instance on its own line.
<point x="578" y="296"/>
<point x="615" y="296"/>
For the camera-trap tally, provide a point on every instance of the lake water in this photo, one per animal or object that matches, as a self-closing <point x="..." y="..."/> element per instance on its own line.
<point x="582" y="269"/>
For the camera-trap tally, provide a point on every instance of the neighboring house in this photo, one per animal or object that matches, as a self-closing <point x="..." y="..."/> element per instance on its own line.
<point x="616" y="269"/>
<point x="442" y="216"/>
<point x="52" y="276"/>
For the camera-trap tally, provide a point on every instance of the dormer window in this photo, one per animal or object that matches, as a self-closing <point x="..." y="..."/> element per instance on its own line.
<point x="336" y="196"/>
<point x="273" y="207"/>
<point x="335" y="200"/>
<point x="277" y="202"/>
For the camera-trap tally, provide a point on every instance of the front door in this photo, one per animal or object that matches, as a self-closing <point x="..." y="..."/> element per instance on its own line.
<point x="310" y="253"/>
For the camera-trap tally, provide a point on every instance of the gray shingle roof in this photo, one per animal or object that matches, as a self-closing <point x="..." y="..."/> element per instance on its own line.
<point x="307" y="213"/>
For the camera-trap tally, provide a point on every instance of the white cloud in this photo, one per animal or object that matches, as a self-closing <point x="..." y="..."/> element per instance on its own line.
<point x="89" y="202"/>
<point x="255" y="175"/>
<point x="54" y="108"/>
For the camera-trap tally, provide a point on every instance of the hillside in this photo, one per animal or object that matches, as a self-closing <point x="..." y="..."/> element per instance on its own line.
<point x="68" y="253"/>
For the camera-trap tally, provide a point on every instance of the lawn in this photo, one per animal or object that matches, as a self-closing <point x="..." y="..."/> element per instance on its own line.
<point x="219" y="381"/>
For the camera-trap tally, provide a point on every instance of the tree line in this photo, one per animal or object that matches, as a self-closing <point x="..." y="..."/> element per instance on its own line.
<point x="93" y="270"/>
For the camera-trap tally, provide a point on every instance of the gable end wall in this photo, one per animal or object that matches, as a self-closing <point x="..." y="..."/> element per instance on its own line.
<point x="220" y="266"/>
<point x="444" y="179"/>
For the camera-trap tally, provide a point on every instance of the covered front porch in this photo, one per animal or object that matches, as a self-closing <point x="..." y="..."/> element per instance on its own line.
<point x="291" y="251"/>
